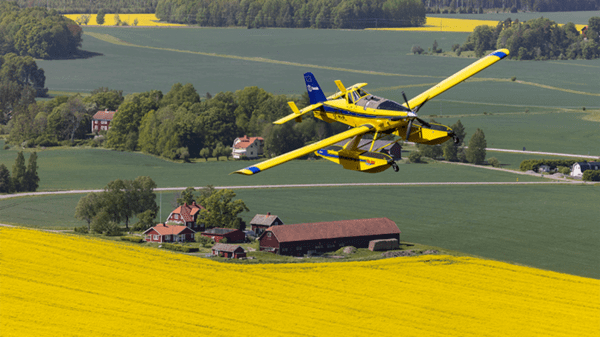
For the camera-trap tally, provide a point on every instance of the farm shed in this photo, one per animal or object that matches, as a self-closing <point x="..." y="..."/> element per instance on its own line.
<point x="260" y="222"/>
<point x="101" y="120"/>
<point x="232" y="234"/>
<point x="229" y="251"/>
<point x="167" y="233"/>
<point x="247" y="147"/>
<point x="187" y="215"/>
<point x="308" y="238"/>
<point x="578" y="168"/>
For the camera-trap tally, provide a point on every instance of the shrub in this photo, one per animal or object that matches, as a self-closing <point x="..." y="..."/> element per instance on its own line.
<point x="81" y="230"/>
<point x="415" y="157"/>
<point x="591" y="175"/>
<point x="223" y="240"/>
<point x="135" y="239"/>
<point x="514" y="78"/>
<point x="455" y="46"/>
<point x="564" y="170"/>
<point x="179" y="248"/>
<point x="494" y="162"/>
<point x="417" y="49"/>
<point x="205" y="241"/>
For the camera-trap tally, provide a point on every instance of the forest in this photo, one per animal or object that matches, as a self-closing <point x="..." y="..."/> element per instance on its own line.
<point x="537" y="39"/>
<point x="294" y="13"/>
<point x="37" y="32"/>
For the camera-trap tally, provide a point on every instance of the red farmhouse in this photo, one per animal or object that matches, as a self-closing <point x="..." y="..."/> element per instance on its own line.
<point x="232" y="234"/>
<point x="166" y="233"/>
<point x="187" y="215"/>
<point x="101" y="120"/>
<point x="260" y="222"/>
<point x="316" y="237"/>
<point x="230" y="251"/>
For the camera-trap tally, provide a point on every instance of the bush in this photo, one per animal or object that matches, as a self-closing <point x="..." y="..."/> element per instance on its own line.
<point x="564" y="170"/>
<point x="179" y="248"/>
<point x="415" y="157"/>
<point x="514" y="78"/>
<point x="455" y="47"/>
<point x="417" y="49"/>
<point x="223" y="240"/>
<point x="494" y="162"/>
<point x="81" y="230"/>
<point x="135" y="239"/>
<point x="205" y="241"/>
<point x="591" y="175"/>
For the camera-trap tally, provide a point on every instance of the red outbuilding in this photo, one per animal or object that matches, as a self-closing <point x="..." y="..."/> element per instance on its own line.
<point x="167" y="233"/>
<point x="102" y="119"/>
<point x="232" y="234"/>
<point x="229" y="251"/>
<point x="321" y="237"/>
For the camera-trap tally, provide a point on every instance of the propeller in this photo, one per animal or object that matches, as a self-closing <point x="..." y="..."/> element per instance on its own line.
<point x="413" y="115"/>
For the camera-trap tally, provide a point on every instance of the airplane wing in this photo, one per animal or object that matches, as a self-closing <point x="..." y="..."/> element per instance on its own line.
<point x="460" y="76"/>
<point x="305" y="150"/>
<point x="297" y="113"/>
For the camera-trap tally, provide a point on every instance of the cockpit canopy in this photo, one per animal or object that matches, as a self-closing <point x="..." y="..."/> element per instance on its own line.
<point x="366" y="100"/>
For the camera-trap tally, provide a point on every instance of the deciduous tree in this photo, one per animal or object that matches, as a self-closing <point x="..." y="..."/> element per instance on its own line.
<point x="222" y="211"/>
<point x="476" y="151"/>
<point x="31" y="176"/>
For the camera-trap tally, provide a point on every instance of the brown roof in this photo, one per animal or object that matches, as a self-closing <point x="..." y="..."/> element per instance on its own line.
<point x="187" y="212"/>
<point x="104" y="115"/>
<point x="263" y="219"/>
<point x="245" y="142"/>
<point x="223" y="247"/>
<point x="333" y="229"/>
<point x="163" y="229"/>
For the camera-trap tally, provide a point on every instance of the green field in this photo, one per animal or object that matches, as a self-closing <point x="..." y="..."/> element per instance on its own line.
<point x="542" y="110"/>
<point x="546" y="226"/>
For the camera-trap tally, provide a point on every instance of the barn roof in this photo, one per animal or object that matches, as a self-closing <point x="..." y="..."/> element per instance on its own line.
<point x="593" y="165"/>
<point x="220" y="231"/>
<point x="263" y="219"/>
<point x="223" y="247"/>
<point x="104" y="115"/>
<point x="333" y="229"/>
<point x="163" y="229"/>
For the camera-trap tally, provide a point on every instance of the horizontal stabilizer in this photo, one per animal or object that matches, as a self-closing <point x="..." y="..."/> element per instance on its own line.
<point x="297" y="113"/>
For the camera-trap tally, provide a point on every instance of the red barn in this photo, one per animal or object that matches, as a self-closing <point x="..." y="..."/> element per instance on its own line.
<point x="316" y="237"/>
<point x="232" y="234"/>
<point x="101" y="120"/>
<point x="187" y="215"/>
<point x="229" y="251"/>
<point x="166" y="233"/>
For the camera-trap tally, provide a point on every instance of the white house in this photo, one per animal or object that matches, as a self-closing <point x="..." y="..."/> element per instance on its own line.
<point x="247" y="147"/>
<point x="578" y="168"/>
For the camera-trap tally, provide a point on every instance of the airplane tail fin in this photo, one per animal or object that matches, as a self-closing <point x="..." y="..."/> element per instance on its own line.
<point x="315" y="93"/>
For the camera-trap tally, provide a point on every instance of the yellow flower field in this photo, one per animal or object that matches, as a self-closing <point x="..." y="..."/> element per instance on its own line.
<point x="451" y="25"/>
<point x="145" y="20"/>
<point x="56" y="285"/>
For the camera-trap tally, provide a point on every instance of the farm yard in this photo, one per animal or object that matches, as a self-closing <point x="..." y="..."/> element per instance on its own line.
<point x="532" y="242"/>
<point x="59" y="284"/>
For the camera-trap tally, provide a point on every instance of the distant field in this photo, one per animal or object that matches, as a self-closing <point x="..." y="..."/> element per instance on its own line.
<point x="144" y="20"/>
<point x="56" y="285"/>
<point x="578" y="17"/>
<point x="275" y="60"/>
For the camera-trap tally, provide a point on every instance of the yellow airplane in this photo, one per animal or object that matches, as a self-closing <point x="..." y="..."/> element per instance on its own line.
<point x="366" y="113"/>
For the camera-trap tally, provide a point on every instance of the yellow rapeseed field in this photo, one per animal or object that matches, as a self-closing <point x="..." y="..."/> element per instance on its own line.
<point x="58" y="285"/>
<point x="452" y="25"/>
<point x="145" y="20"/>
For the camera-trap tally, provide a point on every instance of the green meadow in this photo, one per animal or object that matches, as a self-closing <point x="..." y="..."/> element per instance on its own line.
<point x="541" y="110"/>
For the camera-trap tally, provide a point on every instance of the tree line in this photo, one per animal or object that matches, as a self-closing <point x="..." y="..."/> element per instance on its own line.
<point x="92" y="6"/>
<point x="294" y="13"/>
<point x="37" y="32"/>
<point x="477" y="6"/>
<point x="536" y="39"/>
<point x="179" y="125"/>
<point x="24" y="179"/>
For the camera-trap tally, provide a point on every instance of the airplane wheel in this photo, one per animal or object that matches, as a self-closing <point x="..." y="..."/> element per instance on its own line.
<point x="395" y="167"/>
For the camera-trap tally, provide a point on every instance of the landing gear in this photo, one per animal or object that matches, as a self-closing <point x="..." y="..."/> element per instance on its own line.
<point x="395" y="167"/>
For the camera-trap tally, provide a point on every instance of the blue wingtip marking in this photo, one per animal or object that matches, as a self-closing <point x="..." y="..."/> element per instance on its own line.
<point x="500" y="54"/>
<point x="254" y="169"/>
